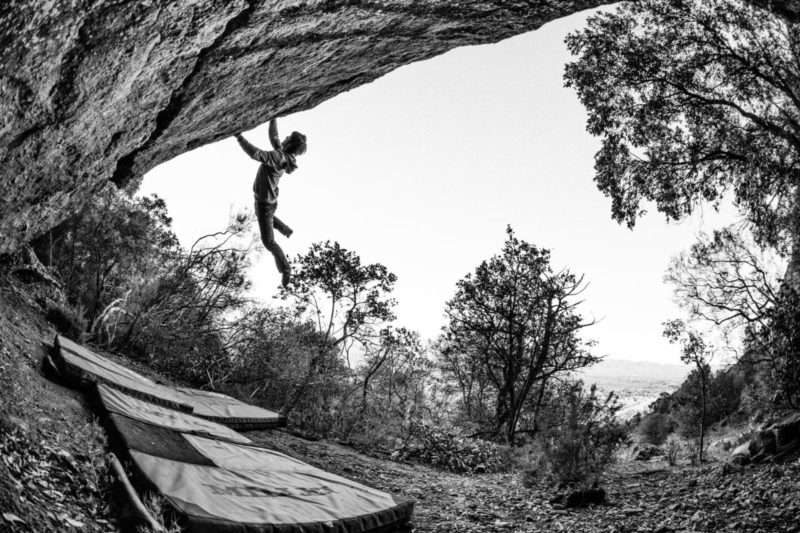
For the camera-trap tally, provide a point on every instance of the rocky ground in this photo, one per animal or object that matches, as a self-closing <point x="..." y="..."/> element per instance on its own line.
<point x="53" y="474"/>
<point x="643" y="497"/>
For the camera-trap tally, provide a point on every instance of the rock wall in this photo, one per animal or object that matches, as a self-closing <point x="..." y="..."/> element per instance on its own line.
<point x="99" y="90"/>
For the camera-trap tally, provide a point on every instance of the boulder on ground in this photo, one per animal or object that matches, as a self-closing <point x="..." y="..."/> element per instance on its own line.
<point x="780" y="439"/>
<point x="645" y="452"/>
<point x="762" y="445"/>
<point x="741" y="455"/>
<point x="580" y="498"/>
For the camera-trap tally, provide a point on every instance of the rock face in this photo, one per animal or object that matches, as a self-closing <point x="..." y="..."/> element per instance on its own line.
<point x="93" y="91"/>
<point x="779" y="440"/>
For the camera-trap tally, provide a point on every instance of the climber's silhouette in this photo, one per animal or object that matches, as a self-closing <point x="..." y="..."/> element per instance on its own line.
<point x="265" y="188"/>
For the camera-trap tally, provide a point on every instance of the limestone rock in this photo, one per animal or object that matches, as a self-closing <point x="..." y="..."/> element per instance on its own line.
<point x="741" y="454"/>
<point x="645" y="452"/>
<point x="775" y="442"/>
<point x="94" y="90"/>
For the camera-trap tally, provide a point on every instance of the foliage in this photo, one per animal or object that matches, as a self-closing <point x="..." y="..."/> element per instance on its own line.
<point x="726" y="279"/>
<point x="142" y="293"/>
<point x="183" y="317"/>
<point x="682" y="410"/>
<point x="672" y="450"/>
<point x="694" y="351"/>
<point x="458" y="454"/>
<point x="693" y="99"/>
<point x="655" y="427"/>
<point x="584" y="434"/>
<point x="162" y="512"/>
<point x="347" y="302"/>
<point x="396" y="385"/>
<point x="67" y="319"/>
<point x="112" y="240"/>
<point x="775" y="346"/>
<point x="271" y="356"/>
<point x="512" y="326"/>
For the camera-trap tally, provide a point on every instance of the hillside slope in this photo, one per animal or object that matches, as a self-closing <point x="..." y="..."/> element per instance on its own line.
<point x="53" y="472"/>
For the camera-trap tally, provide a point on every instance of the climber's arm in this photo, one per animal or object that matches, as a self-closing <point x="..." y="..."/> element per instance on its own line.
<point x="273" y="134"/>
<point x="254" y="153"/>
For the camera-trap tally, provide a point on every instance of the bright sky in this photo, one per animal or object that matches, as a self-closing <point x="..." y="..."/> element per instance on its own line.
<point x="423" y="169"/>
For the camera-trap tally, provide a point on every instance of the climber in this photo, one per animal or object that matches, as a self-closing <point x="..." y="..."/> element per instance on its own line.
<point x="265" y="188"/>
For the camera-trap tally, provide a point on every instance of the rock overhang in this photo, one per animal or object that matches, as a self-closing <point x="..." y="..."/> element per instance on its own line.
<point x="96" y="92"/>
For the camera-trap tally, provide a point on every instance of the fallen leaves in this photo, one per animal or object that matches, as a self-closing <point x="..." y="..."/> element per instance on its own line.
<point x="54" y="490"/>
<point x="757" y="499"/>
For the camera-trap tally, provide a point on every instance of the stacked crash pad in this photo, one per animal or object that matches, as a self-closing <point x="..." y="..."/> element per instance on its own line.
<point x="214" y="478"/>
<point x="82" y="367"/>
<point x="217" y="480"/>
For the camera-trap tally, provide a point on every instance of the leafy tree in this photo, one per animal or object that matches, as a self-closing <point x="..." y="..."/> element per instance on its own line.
<point x="682" y="409"/>
<point x="513" y="323"/>
<point x="655" y="427"/>
<point x="774" y="350"/>
<point x="694" y="351"/>
<point x="348" y="302"/>
<point x="273" y="355"/>
<point x="113" y="239"/>
<point x="185" y="315"/>
<point x="393" y="381"/>
<point x="726" y="279"/>
<point x="695" y="100"/>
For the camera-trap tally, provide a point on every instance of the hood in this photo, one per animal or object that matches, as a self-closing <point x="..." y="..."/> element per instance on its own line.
<point x="291" y="163"/>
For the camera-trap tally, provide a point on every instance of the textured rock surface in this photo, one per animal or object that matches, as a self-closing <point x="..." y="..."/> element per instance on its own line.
<point x="778" y="440"/>
<point x="99" y="90"/>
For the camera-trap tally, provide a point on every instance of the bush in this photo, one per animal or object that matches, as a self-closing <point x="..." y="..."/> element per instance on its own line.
<point x="67" y="319"/>
<point x="580" y="448"/>
<point x="458" y="454"/>
<point x="672" y="450"/>
<point x="655" y="427"/>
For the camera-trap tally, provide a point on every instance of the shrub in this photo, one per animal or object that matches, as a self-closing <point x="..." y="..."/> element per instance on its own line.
<point x="580" y="448"/>
<point x="458" y="454"/>
<point x="655" y="427"/>
<point x="67" y="319"/>
<point x="672" y="450"/>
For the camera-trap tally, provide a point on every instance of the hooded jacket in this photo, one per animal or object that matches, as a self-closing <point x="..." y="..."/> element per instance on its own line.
<point x="273" y="164"/>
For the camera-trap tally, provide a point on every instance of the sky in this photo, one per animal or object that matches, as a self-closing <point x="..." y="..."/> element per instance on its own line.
<point x="423" y="169"/>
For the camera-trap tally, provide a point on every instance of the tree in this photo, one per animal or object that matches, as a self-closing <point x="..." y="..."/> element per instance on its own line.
<point x="273" y="355"/>
<point x="113" y="239"/>
<point x="185" y="314"/>
<point x="775" y="347"/>
<point x="694" y="100"/>
<point x="512" y="326"/>
<point x="348" y="302"/>
<point x="726" y="280"/>
<point x="394" y="380"/>
<point x="694" y="351"/>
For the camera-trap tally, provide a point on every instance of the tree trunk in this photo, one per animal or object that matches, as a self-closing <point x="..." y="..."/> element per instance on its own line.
<point x="702" y="413"/>
<point x="301" y="388"/>
<point x="791" y="279"/>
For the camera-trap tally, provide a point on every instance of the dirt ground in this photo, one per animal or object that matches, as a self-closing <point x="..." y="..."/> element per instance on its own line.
<point x="643" y="497"/>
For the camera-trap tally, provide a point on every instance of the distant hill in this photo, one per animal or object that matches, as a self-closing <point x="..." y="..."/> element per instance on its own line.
<point x="637" y="383"/>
